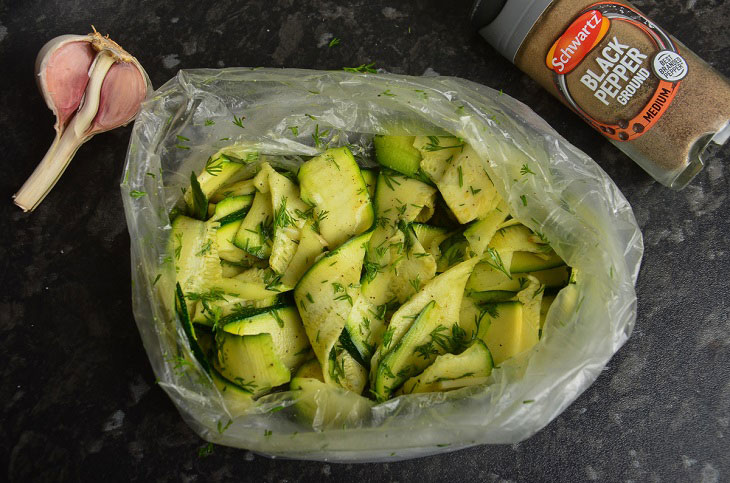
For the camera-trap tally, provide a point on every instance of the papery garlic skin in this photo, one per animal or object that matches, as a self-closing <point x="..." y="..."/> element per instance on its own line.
<point x="92" y="85"/>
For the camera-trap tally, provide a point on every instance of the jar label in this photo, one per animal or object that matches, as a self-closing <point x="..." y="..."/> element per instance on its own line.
<point x="616" y="69"/>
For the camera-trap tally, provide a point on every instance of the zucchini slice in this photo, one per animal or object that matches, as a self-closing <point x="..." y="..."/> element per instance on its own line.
<point x="234" y="205"/>
<point x="430" y="237"/>
<point x="311" y="246"/>
<point x="195" y="252"/>
<point x="553" y="277"/>
<point x="239" y="188"/>
<point x="370" y="176"/>
<point x="460" y="177"/>
<point x="473" y="317"/>
<point x="503" y="334"/>
<point x="290" y="214"/>
<point x="408" y="347"/>
<point x="219" y="306"/>
<point x="532" y="262"/>
<point x="218" y="171"/>
<point x="345" y="369"/>
<point x="517" y="238"/>
<point x="449" y="371"/>
<point x="251" y="362"/>
<point x="333" y="184"/>
<point x="238" y="400"/>
<point x="255" y="232"/>
<point x="310" y="369"/>
<point x="324" y="406"/>
<point x="285" y="327"/>
<point x="226" y="249"/>
<point x="491" y="296"/>
<point x="398" y="153"/>
<point x="398" y="197"/>
<point x="325" y="296"/>
<point x="531" y="299"/>
<point x="182" y="311"/>
<point x="547" y="301"/>
<point x="481" y="232"/>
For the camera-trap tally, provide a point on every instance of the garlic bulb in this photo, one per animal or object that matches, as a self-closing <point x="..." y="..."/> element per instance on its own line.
<point x="92" y="85"/>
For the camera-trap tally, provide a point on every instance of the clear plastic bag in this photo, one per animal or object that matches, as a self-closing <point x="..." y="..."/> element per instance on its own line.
<point x="550" y="185"/>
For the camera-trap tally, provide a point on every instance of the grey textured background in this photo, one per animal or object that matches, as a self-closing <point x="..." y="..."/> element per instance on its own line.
<point x="77" y="395"/>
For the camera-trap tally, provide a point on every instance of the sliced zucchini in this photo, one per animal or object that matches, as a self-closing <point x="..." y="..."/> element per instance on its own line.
<point x="412" y="266"/>
<point x="218" y="171"/>
<point x="365" y="325"/>
<point x="251" y="362"/>
<point x="182" y="311"/>
<point x="449" y="371"/>
<point x="430" y="237"/>
<point x="481" y="232"/>
<point x="235" y="287"/>
<point x="234" y="205"/>
<point x="437" y="152"/>
<point x="333" y="184"/>
<point x="230" y="269"/>
<point x="517" y="238"/>
<point x="460" y="178"/>
<point x="239" y="188"/>
<point x="310" y="369"/>
<point x="311" y="246"/>
<point x="290" y="214"/>
<point x="454" y="249"/>
<point x="323" y="406"/>
<point x="370" y="176"/>
<point x="503" y="334"/>
<point x="226" y="249"/>
<point x="403" y="360"/>
<point x="492" y="296"/>
<point x="238" y="400"/>
<point x="398" y="153"/>
<point x="398" y="197"/>
<point x="473" y="317"/>
<point x="346" y="370"/>
<point x="547" y="301"/>
<point x="532" y="262"/>
<point x="254" y="234"/>
<point x="195" y="250"/>
<point x="218" y="306"/>
<point x="285" y="327"/>
<point x="531" y="299"/>
<point x="326" y="293"/>
<point x="553" y="277"/>
<point x="432" y="336"/>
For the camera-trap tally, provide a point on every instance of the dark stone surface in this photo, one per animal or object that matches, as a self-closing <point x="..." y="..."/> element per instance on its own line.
<point x="78" y="398"/>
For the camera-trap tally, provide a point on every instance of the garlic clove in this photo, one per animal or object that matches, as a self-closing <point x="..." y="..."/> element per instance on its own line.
<point x="92" y="85"/>
<point x="122" y="92"/>
<point x="62" y="69"/>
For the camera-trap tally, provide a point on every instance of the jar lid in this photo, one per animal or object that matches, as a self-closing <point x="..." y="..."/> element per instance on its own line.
<point x="506" y="23"/>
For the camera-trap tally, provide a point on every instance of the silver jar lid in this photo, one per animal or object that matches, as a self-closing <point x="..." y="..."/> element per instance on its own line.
<point x="506" y="23"/>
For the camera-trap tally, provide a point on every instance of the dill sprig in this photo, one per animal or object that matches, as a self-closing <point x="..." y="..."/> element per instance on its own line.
<point x="238" y="121"/>
<point x="362" y="69"/>
<point x="496" y="262"/>
<point x="525" y="169"/>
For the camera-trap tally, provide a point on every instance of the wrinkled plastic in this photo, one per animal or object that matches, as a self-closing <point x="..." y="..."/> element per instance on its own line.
<point x="568" y="198"/>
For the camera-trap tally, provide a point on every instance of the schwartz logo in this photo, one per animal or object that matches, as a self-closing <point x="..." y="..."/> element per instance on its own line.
<point x="577" y="41"/>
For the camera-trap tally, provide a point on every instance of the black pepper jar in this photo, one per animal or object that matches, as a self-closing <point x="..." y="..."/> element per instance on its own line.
<point x="624" y="75"/>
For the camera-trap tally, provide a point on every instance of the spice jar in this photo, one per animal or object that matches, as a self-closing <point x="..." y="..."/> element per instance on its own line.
<point x="624" y="75"/>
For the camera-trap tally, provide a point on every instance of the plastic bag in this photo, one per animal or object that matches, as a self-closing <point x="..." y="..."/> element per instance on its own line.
<point x="567" y="197"/>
